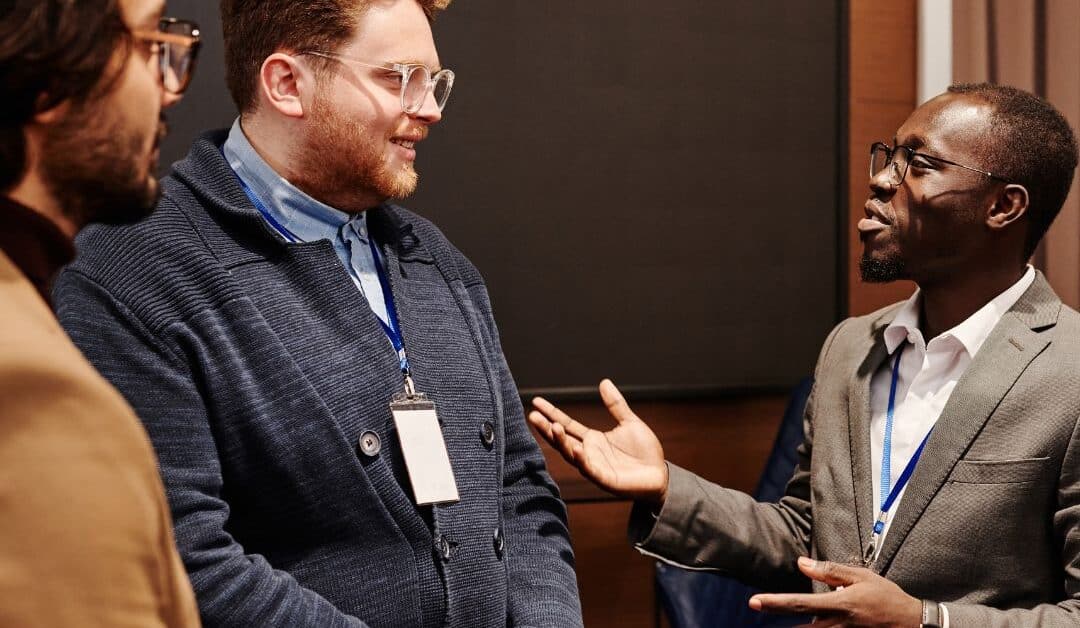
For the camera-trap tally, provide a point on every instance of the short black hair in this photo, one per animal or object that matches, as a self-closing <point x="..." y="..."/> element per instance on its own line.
<point x="51" y="51"/>
<point x="1033" y="145"/>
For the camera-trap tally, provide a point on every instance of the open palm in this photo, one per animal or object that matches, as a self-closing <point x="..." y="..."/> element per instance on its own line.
<point x="626" y="460"/>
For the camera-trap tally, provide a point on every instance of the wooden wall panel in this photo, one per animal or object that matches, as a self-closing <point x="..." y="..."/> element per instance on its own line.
<point x="882" y="48"/>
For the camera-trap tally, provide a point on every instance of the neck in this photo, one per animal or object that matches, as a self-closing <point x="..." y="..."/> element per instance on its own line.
<point x="949" y="302"/>
<point x="35" y="195"/>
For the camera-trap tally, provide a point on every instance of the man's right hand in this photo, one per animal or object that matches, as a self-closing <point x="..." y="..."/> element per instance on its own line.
<point x="626" y="460"/>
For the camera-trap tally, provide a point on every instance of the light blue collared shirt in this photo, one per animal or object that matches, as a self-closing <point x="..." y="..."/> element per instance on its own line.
<point x="307" y="219"/>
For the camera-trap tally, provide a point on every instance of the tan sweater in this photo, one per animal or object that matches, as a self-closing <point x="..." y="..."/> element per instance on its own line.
<point x="85" y="533"/>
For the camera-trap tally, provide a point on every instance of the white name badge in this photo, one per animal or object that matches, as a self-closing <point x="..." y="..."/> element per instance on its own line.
<point x="424" y="450"/>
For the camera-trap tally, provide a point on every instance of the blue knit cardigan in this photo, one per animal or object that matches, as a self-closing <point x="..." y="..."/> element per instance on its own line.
<point x="256" y="365"/>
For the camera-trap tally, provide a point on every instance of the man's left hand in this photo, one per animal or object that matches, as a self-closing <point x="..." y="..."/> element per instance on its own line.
<point x="862" y="598"/>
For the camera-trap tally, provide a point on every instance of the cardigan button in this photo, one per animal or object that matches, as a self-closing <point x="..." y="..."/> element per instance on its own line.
<point x="499" y="542"/>
<point x="487" y="434"/>
<point x="443" y="548"/>
<point x="370" y="445"/>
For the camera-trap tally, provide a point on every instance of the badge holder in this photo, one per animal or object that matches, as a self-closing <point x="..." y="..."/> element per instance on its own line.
<point x="423" y="447"/>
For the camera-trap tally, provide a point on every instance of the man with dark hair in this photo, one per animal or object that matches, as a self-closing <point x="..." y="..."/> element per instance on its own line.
<point x="939" y="479"/>
<point x="85" y="533"/>
<point x="340" y="437"/>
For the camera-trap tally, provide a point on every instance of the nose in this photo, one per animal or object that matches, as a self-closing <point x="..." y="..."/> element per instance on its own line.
<point x="429" y="112"/>
<point x="883" y="183"/>
<point x="168" y="99"/>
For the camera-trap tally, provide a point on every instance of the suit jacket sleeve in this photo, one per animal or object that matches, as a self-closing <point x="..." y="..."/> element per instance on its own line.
<point x="233" y="588"/>
<point x="540" y="560"/>
<point x="708" y="527"/>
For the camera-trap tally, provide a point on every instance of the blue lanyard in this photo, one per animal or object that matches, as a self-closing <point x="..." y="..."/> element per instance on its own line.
<point x="393" y="329"/>
<point x="889" y="496"/>
<point x="280" y="228"/>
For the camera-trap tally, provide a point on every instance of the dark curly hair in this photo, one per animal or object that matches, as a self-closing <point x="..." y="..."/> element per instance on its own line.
<point x="51" y="51"/>
<point x="1031" y="144"/>
<point x="256" y="29"/>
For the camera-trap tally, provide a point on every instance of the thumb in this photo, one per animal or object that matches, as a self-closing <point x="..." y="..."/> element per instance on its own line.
<point x="832" y="574"/>
<point x="615" y="402"/>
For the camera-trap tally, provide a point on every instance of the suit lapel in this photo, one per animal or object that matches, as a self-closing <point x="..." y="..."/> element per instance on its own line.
<point x="859" y="428"/>
<point x="1007" y="352"/>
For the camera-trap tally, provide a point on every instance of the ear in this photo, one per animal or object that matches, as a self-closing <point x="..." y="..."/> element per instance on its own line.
<point x="1010" y="205"/>
<point x="282" y="82"/>
<point x="52" y="114"/>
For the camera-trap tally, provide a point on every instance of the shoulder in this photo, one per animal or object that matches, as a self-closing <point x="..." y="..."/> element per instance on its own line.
<point x="159" y="269"/>
<point x="438" y="245"/>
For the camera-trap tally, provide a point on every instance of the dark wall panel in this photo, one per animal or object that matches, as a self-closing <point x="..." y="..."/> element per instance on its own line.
<point x="648" y="188"/>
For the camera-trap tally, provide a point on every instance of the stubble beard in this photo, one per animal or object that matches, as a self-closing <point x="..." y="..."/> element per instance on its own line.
<point x="345" y="163"/>
<point x="99" y="170"/>
<point x="882" y="270"/>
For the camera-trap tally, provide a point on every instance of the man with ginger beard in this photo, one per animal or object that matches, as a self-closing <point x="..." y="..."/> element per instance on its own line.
<point x="85" y="532"/>
<point x="341" y="440"/>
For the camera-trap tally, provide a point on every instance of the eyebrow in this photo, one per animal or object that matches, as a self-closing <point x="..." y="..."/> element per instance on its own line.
<point x="915" y="142"/>
<point x="417" y="62"/>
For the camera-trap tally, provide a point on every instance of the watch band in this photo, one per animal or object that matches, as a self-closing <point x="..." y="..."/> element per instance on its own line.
<point x="931" y="615"/>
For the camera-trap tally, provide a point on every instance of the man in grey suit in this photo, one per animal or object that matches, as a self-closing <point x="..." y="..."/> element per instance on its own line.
<point x="939" y="479"/>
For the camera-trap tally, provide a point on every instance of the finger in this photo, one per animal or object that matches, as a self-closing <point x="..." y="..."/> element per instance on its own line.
<point x="548" y="409"/>
<point x="616" y="403"/>
<point x="832" y="574"/>
<point x="542" y="425"/>
<point x="568" y="446"/>
<point x="798" y="603"/>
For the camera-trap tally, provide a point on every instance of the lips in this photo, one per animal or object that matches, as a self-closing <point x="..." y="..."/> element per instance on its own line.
<point x="409" y="137"/>
<point x="876" y="217"/>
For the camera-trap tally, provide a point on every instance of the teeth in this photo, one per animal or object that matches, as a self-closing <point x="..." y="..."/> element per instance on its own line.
<point x="405" y="143"/>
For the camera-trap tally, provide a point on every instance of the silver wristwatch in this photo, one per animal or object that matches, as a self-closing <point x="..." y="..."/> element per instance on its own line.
<point x="931" y="615"/>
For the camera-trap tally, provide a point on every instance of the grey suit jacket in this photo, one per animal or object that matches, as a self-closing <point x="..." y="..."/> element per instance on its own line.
<point x="990" y="521"/>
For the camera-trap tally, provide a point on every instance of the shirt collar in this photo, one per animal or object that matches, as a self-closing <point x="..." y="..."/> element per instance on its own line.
<point x="305" y="217"/>
<point x="973" y="331"/>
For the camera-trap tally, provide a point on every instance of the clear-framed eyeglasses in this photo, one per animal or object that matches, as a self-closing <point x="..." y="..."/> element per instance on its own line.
<point x="898" y="159"/>
<point x="417" y="81"/>
<point x="177" y="45"/>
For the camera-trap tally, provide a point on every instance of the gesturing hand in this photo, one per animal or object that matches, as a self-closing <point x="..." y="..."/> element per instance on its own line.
<point x="864" y="599"/>
<point x="626" y="460"/>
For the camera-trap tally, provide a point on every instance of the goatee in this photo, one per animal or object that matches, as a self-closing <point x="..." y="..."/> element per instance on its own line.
<point x="876" y="270"/>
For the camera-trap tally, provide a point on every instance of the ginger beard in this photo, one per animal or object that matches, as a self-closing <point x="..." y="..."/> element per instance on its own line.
<point x="347" y="162"/>
<point x="102" y="169"/>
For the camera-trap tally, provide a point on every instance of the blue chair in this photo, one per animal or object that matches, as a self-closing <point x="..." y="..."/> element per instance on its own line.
<point x="695" y="599"/>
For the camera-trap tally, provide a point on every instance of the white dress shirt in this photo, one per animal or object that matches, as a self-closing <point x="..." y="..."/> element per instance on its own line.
<point x="928" y="374"/>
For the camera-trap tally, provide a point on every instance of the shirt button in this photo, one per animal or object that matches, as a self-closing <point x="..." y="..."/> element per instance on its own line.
<point x="911" y="337"/>
<point x="499" y="542"/>
<point x="370" y="444"/>
<point x="487" y="434"/>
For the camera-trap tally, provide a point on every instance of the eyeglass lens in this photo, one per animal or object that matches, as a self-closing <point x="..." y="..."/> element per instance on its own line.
<point x="416" y="88"/>
<point x="882" y="157"/>
<point x="177" y="60"/>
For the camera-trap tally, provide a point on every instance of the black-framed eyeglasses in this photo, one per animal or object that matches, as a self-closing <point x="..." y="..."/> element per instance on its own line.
<point x="899" y="158"/>
<point x="177" y="45"/>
